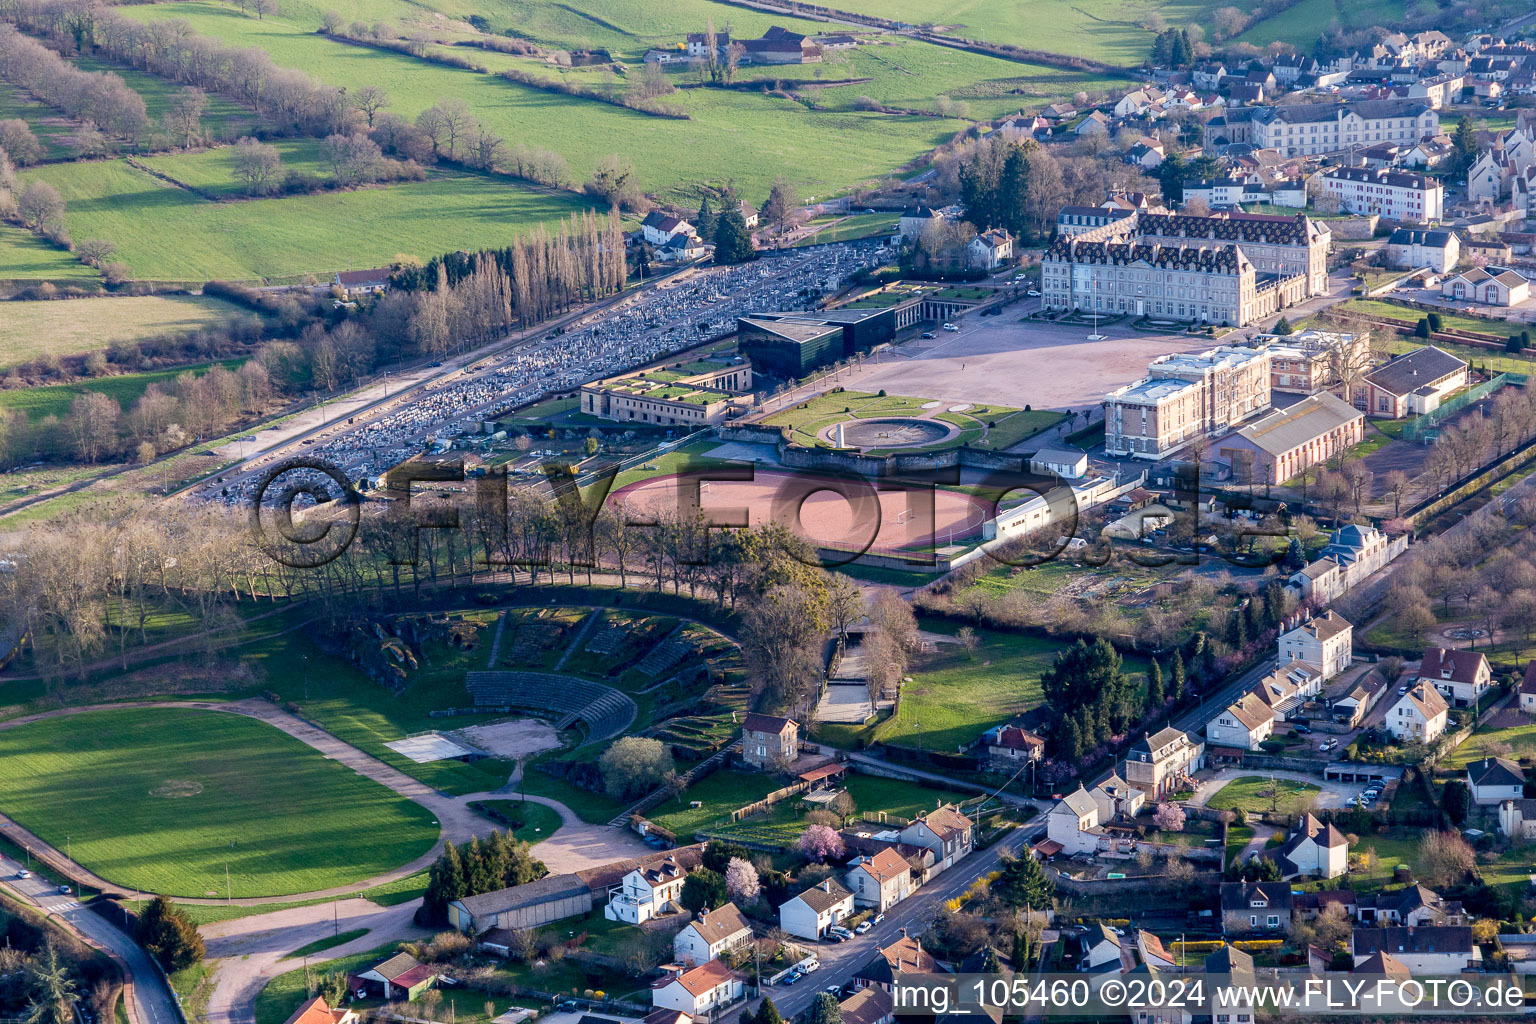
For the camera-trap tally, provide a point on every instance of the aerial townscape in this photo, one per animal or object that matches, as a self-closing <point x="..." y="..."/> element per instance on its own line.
<point x="764" y="512"/>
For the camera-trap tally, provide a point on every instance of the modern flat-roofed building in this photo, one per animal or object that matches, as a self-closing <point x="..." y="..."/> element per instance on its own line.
<point x="794" y="344"/>
<point x="1308" y="361"/>
<point x="1186" y="396"/>
<point x="700" y="393"/>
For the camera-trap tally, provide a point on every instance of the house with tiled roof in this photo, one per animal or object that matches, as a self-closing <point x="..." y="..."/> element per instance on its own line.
<point x="1325" y="642"/>
<point x="647" y="891"/>
<point x="872" y="1005"/>
<point x="945" y="831"/>
<point x="767" y="740"/>
<point x="701" y="991"/>
<point x="1410" y="384"/>
<point x="1014" y="745"/>
<point x="660" y="227"/>
<point x="1528" y="689"/>
<point x="318" y="1011"/>
<point x="1462" y="677"/>
<point x="710" y="935"/>
<point x="1418" y="716"/>
<point x="880" y="880"/>
<point x="904" y="956"/>
<point x="1413" y="906"/>
<point x="1242" y="725"/>
<point x="1423" y="950"/>
<point x="812" y="912"/>
<point x="1493" y="780"/>
<point x="1255" y="907"/>
<point x="1153" y="952"/>
<point x="1312" y="850"/>
<point x="1159" y="762"/>
<point x="990" y="249"/>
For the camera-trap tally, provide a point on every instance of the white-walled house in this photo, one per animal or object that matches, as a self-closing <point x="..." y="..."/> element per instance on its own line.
<point x="1326" y="642"/>
<point x="880" y="881"/>
<point x="700" y="991"/>
<point x="1528" y="689"/>
<point x="1447" y="949"/>
<point x="647" y="892"/>
<point x="944" y="831"/>
<point x="1312" y="850"/>
<point x="1073" y="822"/>
<point x="1419" y="715"/>
<point x="1493" y="780"/>
<point x="714" y="933"/>
<point x="1460" y="676"/>
<point x="1242" y="725"/>
<point x="811" y="913"/>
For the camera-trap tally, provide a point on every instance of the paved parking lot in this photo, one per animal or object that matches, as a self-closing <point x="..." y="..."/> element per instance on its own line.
<point x="1004" y="361"/>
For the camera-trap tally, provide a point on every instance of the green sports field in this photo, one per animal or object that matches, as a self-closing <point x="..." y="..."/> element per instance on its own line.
<point x="163" y="799"/>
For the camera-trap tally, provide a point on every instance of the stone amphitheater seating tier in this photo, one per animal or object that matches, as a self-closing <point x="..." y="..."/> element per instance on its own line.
<point x="663" y="656"/>
<point x="604" y="710"/>
<point x="609" y="640"/>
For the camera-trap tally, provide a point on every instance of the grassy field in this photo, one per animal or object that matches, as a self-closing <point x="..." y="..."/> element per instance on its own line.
<point x="54" y="399"/>
<point x="31" y="329"/>
<point x="167" y="799"/>
<point x="1251" y="793"/>
<point x="24" y="256"/>
<point x="954" y="696"/>
<point x="814" y="415"/>
<point x="1520" y="741"/>
<point x="223" y="119"/>
<point x="390" y="894"/>
<point x="52" y="130"/>
<point x="530" y="822"/>
<point x="213" y="170"/>
<point x="743" y="136"/>
<point x="858" y="225"/>
<point x="718" y="794"/>
<point x="168" y="233"/>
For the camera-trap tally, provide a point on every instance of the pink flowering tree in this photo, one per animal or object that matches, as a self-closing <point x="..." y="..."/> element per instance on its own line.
<point x="741" y="881"/>
<point x="1169" y="817"/>
<point x="820" y="842"/>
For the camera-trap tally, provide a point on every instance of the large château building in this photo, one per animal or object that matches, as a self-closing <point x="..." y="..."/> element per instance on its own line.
<point x="1185" y="396"/>
<point x="1225" y="268"/>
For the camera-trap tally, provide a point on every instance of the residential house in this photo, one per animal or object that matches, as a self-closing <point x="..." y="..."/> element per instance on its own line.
<point x="1517" y="818"/>
<point x="1412" y="906"/>
<point x="915" y="220"/>
<point x="1255" y="907"/>
<point x="1419" y="715"/>
<point x="945" y="831"/>
<point x="1411" y="248"/>
<point x="1012" y="746"/>
<point x="1424" y="950"/>
<point x="1308" y="906"/>
<point x="1360" y="551"/>
<point x="1243" y="725"/>
<point x="1320" y="581"/>
<point x="1496" y="286"/>
<point x="1312" y="850"/>
<point x="660" y="227"/>
<point x="880" y="880"/>
<point x="1429" y="153"/>
<point x="1073" y="824"/>
<point x="1146" y="153"/>
<point x="701" y="992"/>
<point x="1076" y="220"/>
<point x="1208" y="76"/>
<point x="646" y="892"/>
<point x="1153" y="952"/>
<point x="768" y="740"/>
<point x="318" y="1011"/>
<point x="812" y="912"/>
<point x="904" y="956"/>
<point x="1231" y="997"/>
<point x="1410" y="384"/>
<point x="1304" y="363"/>
<point x="779" y="45"/>
<point x="1117" y="798"/>
<point x="1094" y="124"/>
<point x="356" y="283"/>
<point x="697" y="45"/>
<point x="870" y="1005"/>
<point x="1324" y="641"/>
<point x="1352" y="707"/>
<point x="1287" y="688"/>
<point x="1138" y="101"/>
<point x="682" y="248"/>
<point x="1494" y="780"/>
<point x="1386" y="965"/>
<point x="1161" y="762"/>
<point x="397" y="978"/>
<point x="1099" y="947"/>
<point x="990" y="249"/>
<point x="1461" y="676"/>
<point x="1528" y="689"/>
<point x="711" y="935"/>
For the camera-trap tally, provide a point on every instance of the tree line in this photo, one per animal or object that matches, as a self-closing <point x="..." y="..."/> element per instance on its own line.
<point x="475" y="867"/>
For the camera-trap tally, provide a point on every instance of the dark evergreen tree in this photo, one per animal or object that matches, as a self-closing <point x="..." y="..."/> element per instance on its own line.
<point x="1156" y="690"/>
<point x="1178" y="681"/>
<point x="733" y="241"/>
<point x="169" y="936"/>
<point x="1022" y="884"/>
<point x="704" y="221"/>
<point x="1283" y="327"/>
<point x="824" y="1010"/>
<point x="1170" y="177"/>
<point x="703" y="891"/>
<point x="1013" y="193"/>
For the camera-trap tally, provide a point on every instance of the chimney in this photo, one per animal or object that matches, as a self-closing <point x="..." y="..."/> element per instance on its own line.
<point x="903" y="931"/>
<point x="826" y="885"/>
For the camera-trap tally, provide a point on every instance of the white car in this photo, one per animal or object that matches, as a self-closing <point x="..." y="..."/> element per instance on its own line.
<point x="1033" y="293"/>
<point x="23" y="873"/>
<point x="863" y="927"/>
<point x="951" y="327"/>
<point x="810" y="965"/>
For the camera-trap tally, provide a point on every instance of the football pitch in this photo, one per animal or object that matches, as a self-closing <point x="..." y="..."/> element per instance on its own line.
<point x="163" y="800"/>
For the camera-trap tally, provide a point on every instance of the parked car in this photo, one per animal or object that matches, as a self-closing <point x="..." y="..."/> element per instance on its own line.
<point x="23" y="873"/>
<point x="808" y="965"/>
<point x="833" y="989"/>
<point x="1402" y="690"/>
<point x="1304" y="730"/>
<point x="1033" y="293"/>
<point x="863" y="927"/>
<point x="793" y="976"/>
<point x="951" y="327"/>
<point x="1327" y="744"/>
<point x="877" y="919"/>
<point x="929" y="334"/>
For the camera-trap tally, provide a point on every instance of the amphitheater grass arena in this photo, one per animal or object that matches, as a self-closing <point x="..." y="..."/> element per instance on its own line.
<point x="814" y="506"/>
<point x="161" y="799"/>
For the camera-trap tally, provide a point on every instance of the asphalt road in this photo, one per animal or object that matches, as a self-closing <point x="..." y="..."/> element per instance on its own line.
<point x="153" y="1002"/>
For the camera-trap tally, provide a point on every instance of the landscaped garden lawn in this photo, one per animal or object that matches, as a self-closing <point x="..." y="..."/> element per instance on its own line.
<point x="955" y="696"/>
<point x="720" y="793"/>
<point x="1292" y="797"/>
<point x="529" y="822"/>
<point x="165" y="799"/>
<point x="1520" y="739"/>
<point x="810" y="417"/>
<point x="31" y="329"/>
